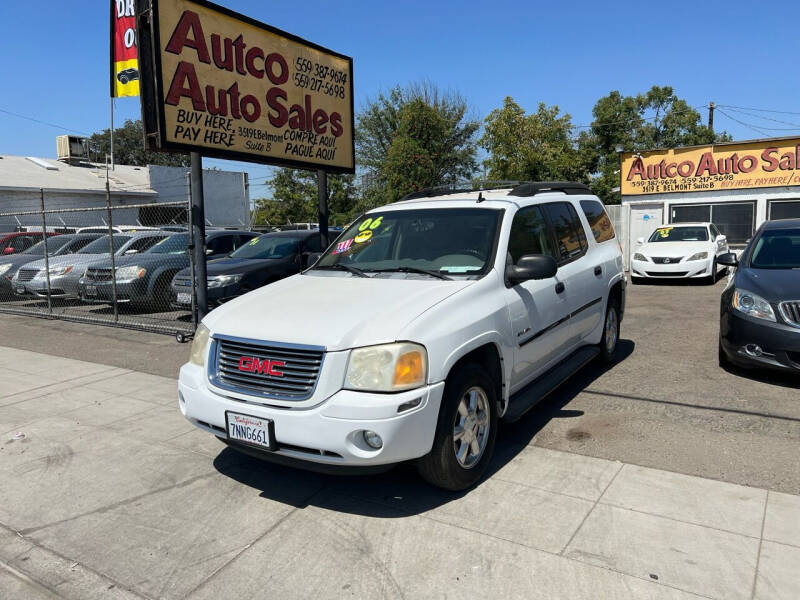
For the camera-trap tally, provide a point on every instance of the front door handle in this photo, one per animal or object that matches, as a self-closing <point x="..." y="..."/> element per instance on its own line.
<point x="560" y="287"/>
<point x="598" y="270"/>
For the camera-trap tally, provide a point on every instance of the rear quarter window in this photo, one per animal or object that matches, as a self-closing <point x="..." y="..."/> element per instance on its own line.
<point x="601" y="226"/>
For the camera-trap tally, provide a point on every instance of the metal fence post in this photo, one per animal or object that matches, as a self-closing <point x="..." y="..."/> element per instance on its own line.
<point x="111" y="249"/>
<point x="46" y="257"/>
<point x="199" y="235"/>
<point x="192" y="275"/>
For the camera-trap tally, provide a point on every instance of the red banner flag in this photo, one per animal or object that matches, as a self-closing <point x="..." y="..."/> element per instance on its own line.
<point x="124" y="56"/>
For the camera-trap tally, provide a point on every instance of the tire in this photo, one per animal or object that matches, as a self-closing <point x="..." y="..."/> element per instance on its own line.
<point x="611" y="329"/>
<point x="712" y="279"/>
<point x="723" y="359"/>
<point x="442" y="467"/>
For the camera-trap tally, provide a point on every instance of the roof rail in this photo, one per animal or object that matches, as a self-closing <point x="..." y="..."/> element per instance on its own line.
<point x="541" y="187"/>
<point x="443" y="190"/>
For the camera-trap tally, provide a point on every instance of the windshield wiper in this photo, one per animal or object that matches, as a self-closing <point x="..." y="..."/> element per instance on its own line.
<point x="413" y="270"/>
<point x="340" y="267"/>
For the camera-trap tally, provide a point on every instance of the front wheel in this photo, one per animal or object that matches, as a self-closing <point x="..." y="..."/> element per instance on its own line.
<point x="466" y="431"/>
<point x="611" y="327"/>
<point x="712" y="279"/>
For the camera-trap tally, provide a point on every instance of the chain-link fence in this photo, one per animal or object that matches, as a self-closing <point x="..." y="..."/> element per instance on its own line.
<point x="98" y="261"/>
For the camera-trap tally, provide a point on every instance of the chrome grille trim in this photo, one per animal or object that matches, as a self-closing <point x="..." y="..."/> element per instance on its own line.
<point x="301" y="370"/>
<point x="98" y="275"/>
<point x="26" y="274"/>
<point x="790" y="311"/>
<point x="661" y="260"/>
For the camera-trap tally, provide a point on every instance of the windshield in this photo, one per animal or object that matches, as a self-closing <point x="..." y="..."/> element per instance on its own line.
<point x="174" y="244"/>
<point x="777" y="249"/>
<point x="680" y="234"/>
<point x="268" y="246"/>
<point x="54" y="244"/>
<point x="100" y="245"/>
<point x="455" y="241"/>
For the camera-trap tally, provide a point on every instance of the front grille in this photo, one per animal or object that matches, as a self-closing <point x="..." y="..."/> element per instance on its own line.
<point x="294" y="379"/>
<point x="791" y="312"/>
<point x="26" y="274"/>
<point x="98" y="275"/>
<point x="666" y="260"/>
<point x="667" y="273"/>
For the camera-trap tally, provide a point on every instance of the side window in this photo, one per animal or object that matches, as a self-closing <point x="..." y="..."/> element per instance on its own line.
<point x="567" y="230"/>
<point x="144" y="243"/>
<point x="529" y="234"/>
<point x="314" y="244"/>
<point x="222" y="244"/>
<point x="21" y="242"/>
<point x="601" y="226"/>
<point x="78" y="244"/>
<point x="241" y="240"/>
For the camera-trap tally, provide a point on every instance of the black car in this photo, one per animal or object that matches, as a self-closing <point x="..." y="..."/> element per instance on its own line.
<point x="144" y="279"/>
<point x="127" y="75"/>
<point x="264" y="259"/>
<point x="760" y="309"/>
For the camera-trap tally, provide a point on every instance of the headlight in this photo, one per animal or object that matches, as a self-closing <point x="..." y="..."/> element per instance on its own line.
<point x="223" y="280"/>
<point x="4" y="268"/>
<point x="56" y="271"/>
<point x="130" y="273"/>
<point x="639" y="256"/>
<point x="698" y="256"/>
<point x="752" y="305"/>
<point x="387" y="368"/>
<point x="199" y="346"/>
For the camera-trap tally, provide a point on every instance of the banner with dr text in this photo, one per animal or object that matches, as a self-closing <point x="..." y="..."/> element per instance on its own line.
<point x="124" y="57"/>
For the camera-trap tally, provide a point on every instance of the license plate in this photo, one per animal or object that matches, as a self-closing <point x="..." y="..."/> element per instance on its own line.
<point x="91" y="291"/>
<point x="184" y="298"/>
<point x="20" y="290"/>
<point x="247" y="429"/>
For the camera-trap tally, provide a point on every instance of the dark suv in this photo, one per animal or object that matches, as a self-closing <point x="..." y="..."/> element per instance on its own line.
<point x="144" y="279"/>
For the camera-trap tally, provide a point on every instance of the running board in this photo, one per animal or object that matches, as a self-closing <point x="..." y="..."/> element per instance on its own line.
<point x="537" y="390"/>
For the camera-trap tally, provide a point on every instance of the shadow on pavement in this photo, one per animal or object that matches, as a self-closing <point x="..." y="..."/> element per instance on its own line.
<point x="767" y="376"/>
<point x="400" y="492"/>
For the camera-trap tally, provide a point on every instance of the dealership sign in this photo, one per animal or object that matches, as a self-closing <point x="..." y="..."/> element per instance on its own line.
<point x="766" y="163"/>
<point x="219" y="83"/>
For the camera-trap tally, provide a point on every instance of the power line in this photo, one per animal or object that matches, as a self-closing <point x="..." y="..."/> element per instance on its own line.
<point x="781" y="112"/>
<point x="753" y="127"/>
<point x="19" y="116"/>
<point x="796" y="126"/>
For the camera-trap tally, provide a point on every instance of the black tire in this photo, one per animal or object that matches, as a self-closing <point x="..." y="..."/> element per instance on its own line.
<point x="712" y="279"/>
<point x="723" y="359"/>
<point x="608" y="346"/>
<point x="440" y="467"/>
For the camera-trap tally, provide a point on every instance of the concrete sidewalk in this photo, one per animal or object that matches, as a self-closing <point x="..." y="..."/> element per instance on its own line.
<point x="107" y="492"/>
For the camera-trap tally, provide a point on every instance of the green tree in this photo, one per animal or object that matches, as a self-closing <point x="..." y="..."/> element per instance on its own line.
<point x="129" y="148"/>
<point x="385" y="122"/>
<point x="540" y="146"/>
<point x="655" y="119"/>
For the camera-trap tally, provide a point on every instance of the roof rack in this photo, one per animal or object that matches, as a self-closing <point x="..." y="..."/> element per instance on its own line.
<point x="532" y="188"/>
<point x="444" y="190"/>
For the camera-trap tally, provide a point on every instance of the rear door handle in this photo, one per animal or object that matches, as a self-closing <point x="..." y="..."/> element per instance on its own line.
<point x="598" y="270"/>
<point x="560" y="287"/>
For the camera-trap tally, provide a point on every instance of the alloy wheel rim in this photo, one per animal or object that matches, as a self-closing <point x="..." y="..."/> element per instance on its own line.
<point x="471" y="427"/>
<point x="611" y="330"/>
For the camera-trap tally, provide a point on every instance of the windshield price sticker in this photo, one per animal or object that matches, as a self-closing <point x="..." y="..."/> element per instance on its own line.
<point x="664" y="231"/>
<point x="343" y="246"/>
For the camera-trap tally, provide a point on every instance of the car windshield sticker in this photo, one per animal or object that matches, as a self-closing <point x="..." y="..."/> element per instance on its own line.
<point x="664" y="231"/>
<point x="343" y="246"/>
<point x="460" y="269"/>
<point x="370" y="224"/>
<point x="363" y="236"/>
<point x="254" y="241"/>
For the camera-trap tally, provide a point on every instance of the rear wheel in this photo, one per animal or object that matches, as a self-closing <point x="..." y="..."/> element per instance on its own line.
<point x="466" y="431"/>
<point x="611" y="327"/>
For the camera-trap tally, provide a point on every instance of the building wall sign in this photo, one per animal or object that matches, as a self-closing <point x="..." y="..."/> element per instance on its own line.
<point x="222" y="84"/>
<point x="765" y="163"/>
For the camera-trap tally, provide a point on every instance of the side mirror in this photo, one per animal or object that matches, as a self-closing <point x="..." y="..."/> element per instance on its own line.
<point x="720" y="238"/>
<point x="728" y="259"/>
<point x="8" y="250"/>
<point x="639" y="241"/>
<point x="531" y="266"/>
<point x="209" y="252"/>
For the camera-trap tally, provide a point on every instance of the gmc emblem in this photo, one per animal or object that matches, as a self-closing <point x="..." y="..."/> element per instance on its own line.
<point x="251" y="364"/>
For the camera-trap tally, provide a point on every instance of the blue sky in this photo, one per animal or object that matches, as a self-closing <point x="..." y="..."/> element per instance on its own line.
<point x="54" y="57"/>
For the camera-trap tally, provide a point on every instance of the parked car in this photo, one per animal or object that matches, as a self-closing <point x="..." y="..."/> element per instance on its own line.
<point x="262" y="260"/>
<point x="18" y="241"/>
<point x="116" y="229"/>
<point x="422" y="325"/>
<point x="144" y="280"/>
<point x="56" y="246"/>
<point x="66" y="271"/>
<point x="760" y="307"/>
<point x="685" y="250"/>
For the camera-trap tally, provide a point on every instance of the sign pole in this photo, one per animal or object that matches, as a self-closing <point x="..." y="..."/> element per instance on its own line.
<point x="322" y="197"/>
<point x="198" y="246"/>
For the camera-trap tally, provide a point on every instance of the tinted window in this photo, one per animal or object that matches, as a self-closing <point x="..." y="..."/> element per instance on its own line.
<point x="174" y="244"/>
<point x="78" y="244"/>
<point x="100" y="245"/>
<point x="221" y="244"/>
<point x="567" y="229"/>
<point x="144" y="243"/>
<point x="529" y="234"/>
<point x="314" y="244"/>
<point x="778" y="249"/>
<point x="268" y="246"/>
<point x="600" y="224"/>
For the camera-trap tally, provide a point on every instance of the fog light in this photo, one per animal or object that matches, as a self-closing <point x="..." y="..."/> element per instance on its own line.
<point x="373" y="440"/>
<point x="753" y="350"/>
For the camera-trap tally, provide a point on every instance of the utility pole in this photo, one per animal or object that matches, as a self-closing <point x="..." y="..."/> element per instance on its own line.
<point x="322" y="198"/>
<point x="711" y="107"/>
<point x="198" y="236"/>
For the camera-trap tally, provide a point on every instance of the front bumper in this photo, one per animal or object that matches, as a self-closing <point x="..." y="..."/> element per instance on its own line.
<point x="64" y="287"/>
<point x="779" y="344"/>
<point x="103" y="293"/>
<point x="681" y="270"/>
<point x="330" y="433"/>
<point x="215" y="295"/>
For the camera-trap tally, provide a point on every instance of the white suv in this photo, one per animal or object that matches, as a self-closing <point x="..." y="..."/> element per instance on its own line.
<point x="422" y="325"/>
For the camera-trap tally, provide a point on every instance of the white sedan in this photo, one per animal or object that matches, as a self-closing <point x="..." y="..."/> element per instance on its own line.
<point x="685" y="250"/>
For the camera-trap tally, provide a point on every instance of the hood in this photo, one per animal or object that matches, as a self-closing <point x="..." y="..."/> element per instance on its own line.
<point x="774" y="285"/>
<point x="230" y="266"/>
<point x="67" y="259"/>
<point x="674" y="249"/>
<point x="338" y="311"/>
<point x="17" y="260"/>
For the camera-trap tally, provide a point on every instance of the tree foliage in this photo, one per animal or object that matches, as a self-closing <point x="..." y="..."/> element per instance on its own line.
<point x="129" y="147"/>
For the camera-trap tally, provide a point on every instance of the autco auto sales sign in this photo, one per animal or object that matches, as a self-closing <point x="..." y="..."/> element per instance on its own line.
<point x="764" y="163"/>
<point x="222" y="84"/>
